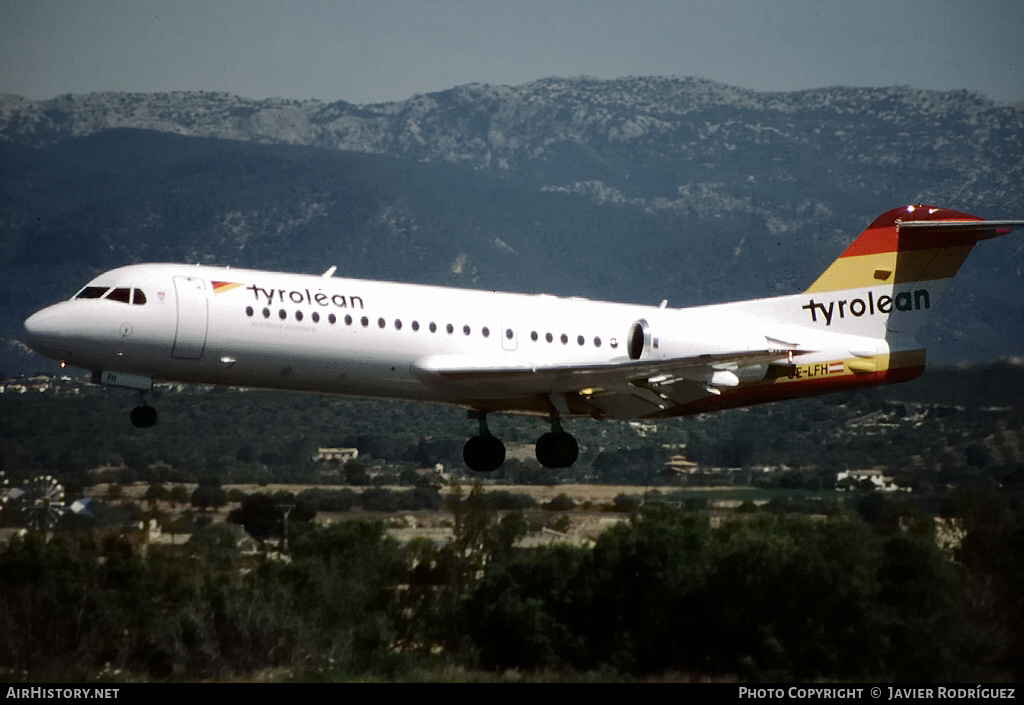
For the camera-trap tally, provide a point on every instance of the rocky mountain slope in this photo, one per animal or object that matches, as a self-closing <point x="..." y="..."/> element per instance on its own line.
<point x="637" y="138"/>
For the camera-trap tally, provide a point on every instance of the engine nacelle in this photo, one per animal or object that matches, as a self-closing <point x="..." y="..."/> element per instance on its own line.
<point x="700" y="337"/>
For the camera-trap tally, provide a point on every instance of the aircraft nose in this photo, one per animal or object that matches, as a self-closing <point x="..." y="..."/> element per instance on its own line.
<point x="44" y="331"/>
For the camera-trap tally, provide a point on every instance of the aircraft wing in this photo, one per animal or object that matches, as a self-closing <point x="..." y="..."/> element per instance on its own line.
<point x="625" y="389"/>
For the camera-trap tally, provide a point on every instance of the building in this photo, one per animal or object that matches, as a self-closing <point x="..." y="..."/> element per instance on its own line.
<point x="339" y="455"/>
<point x="856" y="479"/>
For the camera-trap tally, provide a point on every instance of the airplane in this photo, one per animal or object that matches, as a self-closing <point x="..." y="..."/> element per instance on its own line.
<point x="532" y="354"/>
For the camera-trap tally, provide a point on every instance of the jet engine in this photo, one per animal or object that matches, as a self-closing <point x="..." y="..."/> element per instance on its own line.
<point x="697" y="338"/>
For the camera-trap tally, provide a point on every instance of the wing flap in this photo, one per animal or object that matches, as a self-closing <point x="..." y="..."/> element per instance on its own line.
<point x="621" y="389"/>
<point x="627" y="402"/>
<point x="463" y="368"/>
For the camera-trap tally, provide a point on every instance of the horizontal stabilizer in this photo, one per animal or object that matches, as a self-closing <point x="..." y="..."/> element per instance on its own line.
<point x="996" y="227"/>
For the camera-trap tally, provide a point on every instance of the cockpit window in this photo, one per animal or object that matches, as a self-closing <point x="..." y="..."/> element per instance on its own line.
<point x="122" y="295"/>
<point x="92" y="292"/>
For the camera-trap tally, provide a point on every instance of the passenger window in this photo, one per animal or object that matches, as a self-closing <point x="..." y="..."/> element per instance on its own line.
<point x="138" y="298"/>
<point x="122" y="295"/>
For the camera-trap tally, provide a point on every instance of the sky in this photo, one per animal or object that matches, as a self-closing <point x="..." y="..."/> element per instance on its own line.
<point x="371" y="51"/>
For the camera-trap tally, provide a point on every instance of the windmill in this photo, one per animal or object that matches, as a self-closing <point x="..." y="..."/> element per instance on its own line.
<point x="43" y="500"/>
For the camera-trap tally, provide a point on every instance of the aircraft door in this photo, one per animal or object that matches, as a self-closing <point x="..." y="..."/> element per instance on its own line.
<point x="509" y="336"/>
<point x="190" y="334"/>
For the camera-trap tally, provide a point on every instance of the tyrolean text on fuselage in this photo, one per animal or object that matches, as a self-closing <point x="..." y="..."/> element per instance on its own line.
<point x="304" y="296"/>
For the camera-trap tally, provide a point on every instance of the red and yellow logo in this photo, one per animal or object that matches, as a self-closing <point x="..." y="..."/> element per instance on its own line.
<point x="221" y="287"/>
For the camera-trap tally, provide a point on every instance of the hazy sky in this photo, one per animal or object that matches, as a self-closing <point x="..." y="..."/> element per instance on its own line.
<point x="373" y="51"/>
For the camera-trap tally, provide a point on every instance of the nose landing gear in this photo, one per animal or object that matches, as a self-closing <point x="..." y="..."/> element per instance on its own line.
<point x="143" y="416"/>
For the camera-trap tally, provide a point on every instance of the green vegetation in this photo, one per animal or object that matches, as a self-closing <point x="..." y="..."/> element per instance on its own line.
<point x="764" y="596"/>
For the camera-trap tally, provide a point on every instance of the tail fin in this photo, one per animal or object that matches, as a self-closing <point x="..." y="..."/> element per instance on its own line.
<point x="886" y="280"/>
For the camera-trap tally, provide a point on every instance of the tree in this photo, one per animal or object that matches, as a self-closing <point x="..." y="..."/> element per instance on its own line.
<point x="178" y="495"/>
<point x="355" y="473"/>
<point x="157" y="492"/>
<point x="348" y="573"/>
<point x="261" y="515"/>
<point x="219" y="544"/>
<point x="115" y="492"/>
<point x="208" y="495"/>
<point x="992" y="552"/>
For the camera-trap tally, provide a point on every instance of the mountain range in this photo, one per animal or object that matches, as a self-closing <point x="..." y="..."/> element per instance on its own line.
<point x="637" y="189"/>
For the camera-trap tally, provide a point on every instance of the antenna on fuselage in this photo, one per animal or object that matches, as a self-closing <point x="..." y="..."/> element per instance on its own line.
<point x="330" y="272"/>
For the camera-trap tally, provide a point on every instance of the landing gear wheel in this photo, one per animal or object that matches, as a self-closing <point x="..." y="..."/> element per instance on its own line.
<point x="483" y="453"/>
<point x="557" y="449"/>
<point x="143" y="417"/>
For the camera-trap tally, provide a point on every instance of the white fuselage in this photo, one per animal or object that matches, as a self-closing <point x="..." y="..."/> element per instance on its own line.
<point x="380" y="339"/>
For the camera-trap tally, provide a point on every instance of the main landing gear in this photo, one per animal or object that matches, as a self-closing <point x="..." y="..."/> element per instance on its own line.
<point x="485" y="453"/>
<point x="557" y="448"/>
